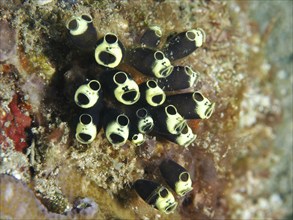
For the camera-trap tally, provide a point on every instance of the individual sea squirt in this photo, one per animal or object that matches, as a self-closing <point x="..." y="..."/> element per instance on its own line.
<point x="86" y="129"/>
<point x="152" y="95"/>
<point x="184" y="43"/>
<point x="192" y="105"/>
<point x="168" y="120"/>
<point x="88" y="94"/>
<point x="145" y="121"/>
<point x="150" y="62"/>
<point x="82" y="32"/>
<point x="109" y="51"/>
<point x="176" y="177"/>
<point x="141" y="124"/>
<point x="120" y="86"/>
<point x="116" y="127"/>
<point x="182" y="77"/>
<point x="151" y="37"/>
<point x="183" y="138"/>
<point x="156" y="195"/>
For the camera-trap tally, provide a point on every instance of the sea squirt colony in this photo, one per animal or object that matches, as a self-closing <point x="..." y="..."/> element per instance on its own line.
<point x="130" y="111"/>
<point x="157" y="195"/>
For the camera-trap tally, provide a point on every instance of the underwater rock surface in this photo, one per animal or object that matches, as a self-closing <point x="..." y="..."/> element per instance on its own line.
<point x="8" y="42"/>
<point x="233" y="162"/>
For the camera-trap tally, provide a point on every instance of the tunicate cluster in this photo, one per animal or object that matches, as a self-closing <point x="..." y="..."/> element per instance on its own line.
<point x="128" y="110"/>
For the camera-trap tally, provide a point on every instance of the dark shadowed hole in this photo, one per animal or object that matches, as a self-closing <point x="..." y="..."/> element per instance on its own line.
<point x="170" y="208"/>
<point x="171" y="110"/>
<point x="185" y="130"/>
<point x="135" y="137"/>
<point x="85" y="119"/>
<point x="166" y="71"/>
<point x="116" y="138"/>
<point x="147" y="128"/>
<point x="197" y="96"/>
<point x="122" y="120"/>
<point x="94" y="85"/>
<point x="151" y="84"/>
<point x="129" y="96"/>
<point x="84" y="137"/>
<point x="87" y="18"/>
<point x="163" y="193"/>
<point x="72" y="25"/>
<point x="188" y="200"/>
<point x="111" y="39"/>
<point x="120" y="77"/>
<point x="158" y="33"/>
<point x="157" y="99"/>
<point x="82" y="99"/>
<point x="190" y="35"/>
<point x="107" y="58"/>
<point x="188" y="70"/>
<point x="179" y="127"/>
<point x="159" y="55"/>
<point x="184" y="177"/>
<point x="110" y="179"/>
<point x="209" y="111"/>
<point x="141" y="113"/>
